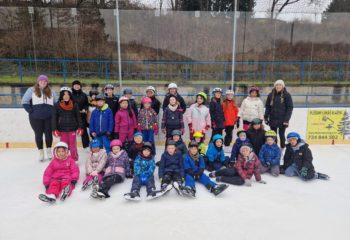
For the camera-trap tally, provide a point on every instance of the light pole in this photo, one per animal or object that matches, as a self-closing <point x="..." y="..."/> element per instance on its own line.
<point x="234" y="45"/>
<point x="118" y="46"/>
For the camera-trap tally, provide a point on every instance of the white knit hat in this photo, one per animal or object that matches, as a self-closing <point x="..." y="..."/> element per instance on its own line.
<point x="279" y="81"/>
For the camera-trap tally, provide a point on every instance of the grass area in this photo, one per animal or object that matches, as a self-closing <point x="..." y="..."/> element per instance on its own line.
<point x="28" y="80"/>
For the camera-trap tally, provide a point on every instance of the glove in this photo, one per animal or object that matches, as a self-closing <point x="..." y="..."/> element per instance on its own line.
<point x="116" y="135"/>
<point x="207" y="128"/>
<point x="237" y="122"/>
<point x="286" y="123"/>
<point x="163" y="130"/>
<point x="303" y="172"/>
<point x="213" y="125"/>
<point x="248" y="182"/>
<point x="266" y="121"/>
<point x="56" y="133"/>
<point x="262" y="181"/>
<point x="73" y="182"/>
<point x="80" y="131"/>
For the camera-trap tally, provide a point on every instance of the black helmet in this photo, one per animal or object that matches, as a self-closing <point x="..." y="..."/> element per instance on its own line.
<point x="193" y="144"/>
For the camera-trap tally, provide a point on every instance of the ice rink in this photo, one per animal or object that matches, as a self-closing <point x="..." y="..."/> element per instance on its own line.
<point x="284" y="208"/>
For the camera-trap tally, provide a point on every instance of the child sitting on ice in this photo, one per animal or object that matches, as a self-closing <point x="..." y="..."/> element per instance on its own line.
<point x="117" y="168"/>
<point x="199" y="138"/>
<point x="215" y="155"/>
<point x="144" y="167"/>
<point x="179" y="143"/>
<point x="60" y="176"/>
<point x="95" y="164"/>
<point x="270" y="155"/>
<point x="256" y="135"/>
<point x="194" y="171"/>
<point x="242" y="139"/>
<point x="171" y="171"/>
<point x="298" y="159"/>
<point x="246" y="165"/>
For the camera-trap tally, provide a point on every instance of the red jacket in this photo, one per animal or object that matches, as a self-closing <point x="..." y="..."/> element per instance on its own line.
<point x="231" y="110"/>
<point x="123" y="122"/>
<point x="61" y="170"/>
<point x="246" y="169"/>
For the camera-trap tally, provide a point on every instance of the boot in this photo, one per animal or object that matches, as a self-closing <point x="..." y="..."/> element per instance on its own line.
<point x="322" y="176"/>
<point x="217" y="189"/>
<point x="48" y="154"/>
<point x="41" y="155"/>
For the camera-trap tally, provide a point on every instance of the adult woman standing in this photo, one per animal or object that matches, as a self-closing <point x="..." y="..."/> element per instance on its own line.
<point x="278" y="110"/>
<point x="38" y="101"/>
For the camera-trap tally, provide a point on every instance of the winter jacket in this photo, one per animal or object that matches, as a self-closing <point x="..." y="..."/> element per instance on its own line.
<point x="216" y="113"/>
<point x="202" y="148"/>
<point x="236" y="147"/>
<point x="214" y="155"/>
<point x="270" y="155"/>
<point x="144" y="168"/>
<point x="134" y="150"/>
<point x="66" y="120"/>
<point x="257" y="138"/>
<point x="96" y="162"/>
<point x="101" y="120"/>
<point x="118" y="164"/>
<point x="181" y="146"/>
<point x="193" y="167"/>
<point x="173" y="119"/>
<point x="252" y="107"/>
<point x="61" y="170"/>
<point x="171" y="164"/>
<point x="147" y="119"/>
<point x="92" y="107"/>
<point x="38" y="107"/>
<point x="278" y="108"/>
<point x="247" y="167"/>
<point x="179" y="99"/>
<point x="113" y="104"/>
<point x="80" y="98"/>
<point x="301" y="155"/>
<point x="155" y="105"/>
<point x="199" y="117"/>
<point x="133" y="106"/>
<point x="231" y="111"/>
<point x="123" y="122"/>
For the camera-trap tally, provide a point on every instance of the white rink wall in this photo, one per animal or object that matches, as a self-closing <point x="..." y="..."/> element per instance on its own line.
<point x="15" y="127"/>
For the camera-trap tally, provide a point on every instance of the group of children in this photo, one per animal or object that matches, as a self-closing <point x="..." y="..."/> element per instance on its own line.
<point x="123" y="145"/>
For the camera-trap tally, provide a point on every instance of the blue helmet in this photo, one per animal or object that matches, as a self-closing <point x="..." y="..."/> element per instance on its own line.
<point x="217" y="137"/>
<point x="293" y="135"/>
<point x="138" y="134"/>
<point x="95" y="143"/>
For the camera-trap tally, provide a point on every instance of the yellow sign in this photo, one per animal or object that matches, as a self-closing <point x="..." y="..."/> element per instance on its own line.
<point x="328" y="126"/>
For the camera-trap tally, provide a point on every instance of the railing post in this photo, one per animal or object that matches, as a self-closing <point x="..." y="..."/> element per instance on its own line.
<point x="302" y="72"/>
<point x="147" y="73"/>
<point x="340" y="71"/>
<point x="186" y="72"/>
<point x="20" y="71"/>
<point x="64" y="71"/>
<point x="264" y="72"/>
<point x="307" y="101"/>
<point x="106" y="71"/>
<point x="225" y="74"/>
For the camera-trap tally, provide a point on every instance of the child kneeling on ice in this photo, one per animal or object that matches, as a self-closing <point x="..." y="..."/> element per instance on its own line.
<point x="215" y="155"/>
<point x="144" y="167"/>
<point x="298" y="159"/>
<point x="194" y="171"/>
<point x="171" y="171"/>
<point x="246" y="165"/>
<point x="270" y="155"/>
<point x="60" y="176"/>
<point x="117" y="168"/>
<point x="95" y="164"/>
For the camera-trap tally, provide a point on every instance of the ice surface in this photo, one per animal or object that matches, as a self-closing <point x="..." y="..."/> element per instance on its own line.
<point x="284" y="208"/>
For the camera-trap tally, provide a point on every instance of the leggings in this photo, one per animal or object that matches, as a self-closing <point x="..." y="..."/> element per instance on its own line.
<point x="41" y="127"/>
<point x="281" y="134"/>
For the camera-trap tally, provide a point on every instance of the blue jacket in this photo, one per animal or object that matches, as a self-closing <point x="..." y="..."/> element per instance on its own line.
<point x="144" y="168"/>
<point x="170" y="163"/>
<point x="193" y="167"/>
<point x="101" y="120"/>
<point x="214" y="155"/>
<point x="270" y="155"/>
<point x="236" y="147"/>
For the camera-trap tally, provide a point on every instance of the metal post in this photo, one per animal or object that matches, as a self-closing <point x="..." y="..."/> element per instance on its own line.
<point x="118" y="45"/>
<point x="31" y="13"/>
<point x="234" y="45"/>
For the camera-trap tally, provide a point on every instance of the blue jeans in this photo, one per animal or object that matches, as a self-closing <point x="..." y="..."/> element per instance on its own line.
<point x="105" y="142"/>
<point x="292" y="171"/>
<point x="148" y="136"/>
<point x="204" y="179"/>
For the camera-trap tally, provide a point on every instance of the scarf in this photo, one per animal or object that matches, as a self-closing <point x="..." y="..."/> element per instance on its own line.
<point x="68" y="106"/>
<point x="195" y="157"/>
<point x="173" y="108"/>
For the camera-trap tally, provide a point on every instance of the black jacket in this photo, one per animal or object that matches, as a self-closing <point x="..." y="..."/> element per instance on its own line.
<point x="278" y="108"/>
<point x="155" y="104"/>
<point x="133" y="106"/>
<point x="113" y="104"/>
<point x="257" y="139"/>
<point x="80" y="98"/>
<point x="301" y="156"/>
<point x="217" y="113"/>
<point x="66" y="120"/>
<point x="181" y="147"/>
<point x="179" y="99"/>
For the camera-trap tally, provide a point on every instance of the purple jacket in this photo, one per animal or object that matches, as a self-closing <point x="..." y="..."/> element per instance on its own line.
<point x="118" y="164"/>
<point x="123" y="122"/>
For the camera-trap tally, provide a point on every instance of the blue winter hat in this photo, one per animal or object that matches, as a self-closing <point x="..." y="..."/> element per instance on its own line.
<point x="95" y="144"/>
<point x="217" y="137"/>
<point x="138" y="134"/>
<point x="293" y="135"/>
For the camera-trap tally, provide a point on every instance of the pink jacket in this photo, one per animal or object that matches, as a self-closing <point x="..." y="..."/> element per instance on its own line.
<point x="123" y="122"/>
<point x="61" y="169"/>
<point x="96" y="162"/>
<point x="199" y="117"/>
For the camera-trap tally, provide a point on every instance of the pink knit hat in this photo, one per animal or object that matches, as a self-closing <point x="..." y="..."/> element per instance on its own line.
<point x="42" y="78"/>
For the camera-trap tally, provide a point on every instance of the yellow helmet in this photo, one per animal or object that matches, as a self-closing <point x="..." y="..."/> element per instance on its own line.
<point x="270" y="133"/>
<point x="198" y="134"/>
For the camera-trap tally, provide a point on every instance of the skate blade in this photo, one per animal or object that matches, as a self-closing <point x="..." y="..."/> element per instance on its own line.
<point x="44" y="198"/>
<point x="136" y="199"/>
<point x="65" y="193"/>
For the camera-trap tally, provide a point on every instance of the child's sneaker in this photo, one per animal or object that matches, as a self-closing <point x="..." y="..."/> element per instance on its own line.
<point x="133" y="196"/>
<point x="65" y="193"/>
<point x="49" y="198"/>
<point x="217" y="189"/>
